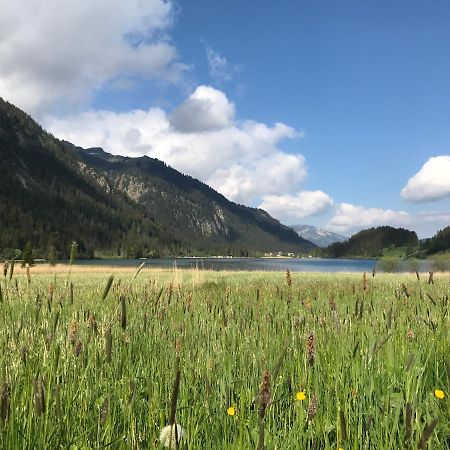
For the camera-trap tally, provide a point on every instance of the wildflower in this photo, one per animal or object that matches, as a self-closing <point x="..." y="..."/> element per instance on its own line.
<point x="300" y="396"/>
<point x="439" y="394"/>
<point x="171" y="435"/>
<point x="231" y="410"/>
<point x="410" y="335"/>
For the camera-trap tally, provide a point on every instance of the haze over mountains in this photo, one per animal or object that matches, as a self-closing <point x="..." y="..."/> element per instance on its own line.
<point x="53" y="193"/>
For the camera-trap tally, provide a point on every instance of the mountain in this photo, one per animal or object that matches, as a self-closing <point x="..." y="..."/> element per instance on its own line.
<point x="318" y="236"/>
<point x="372" y="242"/>
<point x="53" y="193"/>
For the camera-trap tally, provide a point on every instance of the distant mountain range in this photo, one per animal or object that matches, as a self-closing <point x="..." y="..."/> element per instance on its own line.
<point x="318" y="236"/>
<point x="53" y="193"/>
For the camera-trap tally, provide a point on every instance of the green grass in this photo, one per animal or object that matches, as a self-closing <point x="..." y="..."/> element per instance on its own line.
<point x="231" y="327"/>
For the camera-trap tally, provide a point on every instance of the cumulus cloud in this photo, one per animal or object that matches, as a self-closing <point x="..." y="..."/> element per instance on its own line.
<point x="206" y="109"/>
<point x="220" y="69"/>
<point x="51" y="60"/>
<point x="242" y="160"/>
<point x="432" y="182"/>
<point x="299" y="206"/>
<point x="349" y="217"/>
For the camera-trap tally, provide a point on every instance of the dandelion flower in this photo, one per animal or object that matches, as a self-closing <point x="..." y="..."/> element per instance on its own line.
<point x="300" y="395"/>
<point x="439" y="394"/>
<point x="231" y="411"/>
<point x="168" y="438"/>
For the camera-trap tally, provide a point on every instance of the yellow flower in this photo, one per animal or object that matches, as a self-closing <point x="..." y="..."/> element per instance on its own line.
<point x="231" y="411"/>
<point x="300" y="395"/>
<point x="439" y="394"/>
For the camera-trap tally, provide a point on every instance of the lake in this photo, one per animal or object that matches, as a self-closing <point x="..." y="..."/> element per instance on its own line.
<point x="264" y="264"/>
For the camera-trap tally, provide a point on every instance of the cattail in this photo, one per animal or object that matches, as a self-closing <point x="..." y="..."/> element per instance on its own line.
<point x="418" y="276"/>
<point x="364" y="282"/>
<point x="312" y="409"/>
<point x="430" y="278"/>
<point x="123" y="314"/>
<point x="5" y="401"/>
<point x="343" y="424"/>
<point x="11" y="269"/>
<point x="39" y="397"/>
<point x="107" y="287"/>
<point x="5" y="268"/>
<point x="169" y="293"/>
<point x="427" y="432"/>
<point x="311" y="348"/>
<point x="73" y="329"/>
<point x="78" y="348"/>
<point x="108" y="343"/>
<point x="264" y="401"/>
<point x="92" y="324"/>
<point x="71" y="293"/>
<point x="373" y="272"/>
<point x="55" y="322"/>
<point x="408" y="420"/>
<point x="104" y="410"/>
<point x="23" y="355"/>
<point x="27" y="268"/>
<point x="288" y="278"/>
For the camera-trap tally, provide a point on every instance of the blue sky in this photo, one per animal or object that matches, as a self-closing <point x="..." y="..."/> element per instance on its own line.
<point x="359" y="91"/>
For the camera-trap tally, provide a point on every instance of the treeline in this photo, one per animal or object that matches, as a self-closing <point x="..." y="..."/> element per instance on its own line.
<point x="371" y="243"/>
<point x="440" y="242"/>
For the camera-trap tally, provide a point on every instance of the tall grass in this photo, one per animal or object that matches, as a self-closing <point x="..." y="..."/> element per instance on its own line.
<point x="93" y="367"/>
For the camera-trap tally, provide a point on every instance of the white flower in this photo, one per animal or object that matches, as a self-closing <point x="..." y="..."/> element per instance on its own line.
<point x="168" y="438"/>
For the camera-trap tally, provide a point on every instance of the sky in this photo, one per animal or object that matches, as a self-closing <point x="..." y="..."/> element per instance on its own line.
<point x="332" y="113"/>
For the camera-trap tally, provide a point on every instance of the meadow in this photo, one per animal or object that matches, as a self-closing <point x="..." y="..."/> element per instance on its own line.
<point x="103" y="358"/>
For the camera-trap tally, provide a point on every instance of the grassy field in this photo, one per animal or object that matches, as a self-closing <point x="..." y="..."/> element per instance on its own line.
<point x="307" y="361"/>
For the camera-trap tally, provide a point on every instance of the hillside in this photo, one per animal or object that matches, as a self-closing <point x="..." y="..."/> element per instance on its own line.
<point x="318" y="236"/>
<point x="53" y="193"/>
<point x="440" y="242"/>
<point x="372" y="242"/>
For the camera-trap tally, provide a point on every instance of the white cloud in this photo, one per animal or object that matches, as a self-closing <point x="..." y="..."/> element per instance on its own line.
<point x="242" y="160"/>
<point x="56" y="54"/>
<point x="432" y="182"/>
<point x="303" y="204"/>
<point x="220" y="69"/>
<point x="206" y="109"/>
<point x="349" y="218"/>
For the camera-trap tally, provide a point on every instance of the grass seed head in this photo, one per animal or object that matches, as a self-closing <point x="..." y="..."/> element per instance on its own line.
<point x="312" y="409"/>
<point x="311" y="348"/>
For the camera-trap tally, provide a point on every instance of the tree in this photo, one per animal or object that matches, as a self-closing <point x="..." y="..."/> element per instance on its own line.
<point x="27" y="255"/>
